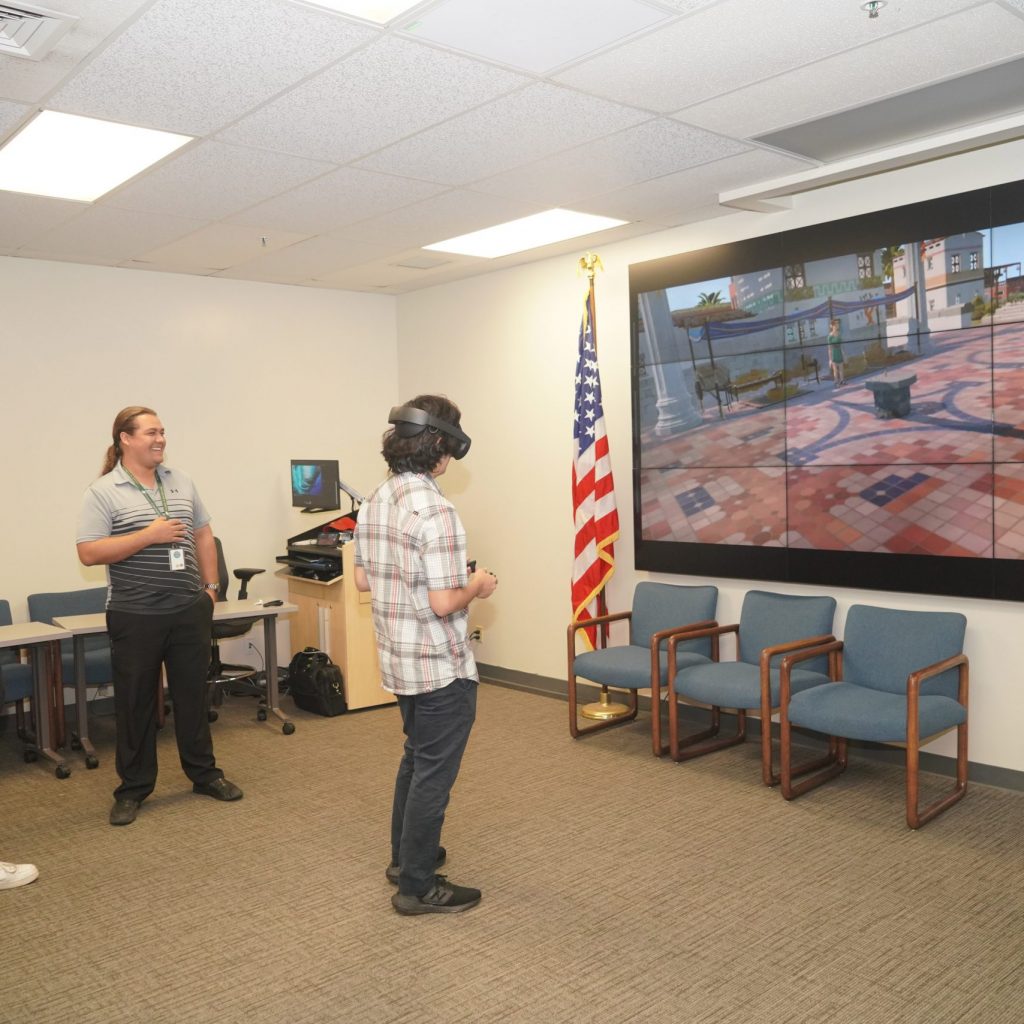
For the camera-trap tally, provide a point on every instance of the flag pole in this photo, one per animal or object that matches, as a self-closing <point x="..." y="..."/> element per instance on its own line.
<point x="604" y="709"/>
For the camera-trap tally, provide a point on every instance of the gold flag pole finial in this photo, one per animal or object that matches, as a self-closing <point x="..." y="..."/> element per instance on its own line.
<point x="590" y="263"/>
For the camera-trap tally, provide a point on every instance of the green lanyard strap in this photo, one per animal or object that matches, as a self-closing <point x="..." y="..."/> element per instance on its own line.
<point x="149" y="497"/>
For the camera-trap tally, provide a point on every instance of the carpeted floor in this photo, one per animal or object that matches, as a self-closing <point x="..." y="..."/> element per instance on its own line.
<point x="617" y="888"/>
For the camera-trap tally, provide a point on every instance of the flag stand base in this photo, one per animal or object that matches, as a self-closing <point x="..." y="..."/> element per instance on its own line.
<point x="604" y="710"/>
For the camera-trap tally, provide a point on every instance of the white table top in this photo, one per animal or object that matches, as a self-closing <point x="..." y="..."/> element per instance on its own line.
<point x="23" y="634"/>
<point x="79" y="625"/>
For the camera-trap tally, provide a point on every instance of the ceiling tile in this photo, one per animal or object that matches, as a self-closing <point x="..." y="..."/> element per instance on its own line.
<point x="372" y="99"/>
<point x="735" y="43"/>
<point x="920" y="56"/>
<point x="11" y="115"/>
<point x="686" y="6"/>
<point x="24" y="219"/>
<point x="315" y="257"/>
<point x="664" y="199"/>
<point x="192" y="66"/>
<point x="516" y="129"/>
<point x="103" y="233"/>
<point x="210" y="180"/>
<point x="648" y="150"/>
<point x="536" y="35"/>
<point x="435" y="219"/>
<point x="339" y="198"/>
<point x="216" y="247"/>
<point x="30" y="80"/>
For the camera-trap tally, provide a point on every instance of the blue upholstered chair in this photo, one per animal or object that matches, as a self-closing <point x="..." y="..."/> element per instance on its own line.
<point x="770" y="626"/>
<point x="46" y="608"/>
<point x="899" y="677"/>
<point x="659" y="610"/>
<point x="16" y="685"/>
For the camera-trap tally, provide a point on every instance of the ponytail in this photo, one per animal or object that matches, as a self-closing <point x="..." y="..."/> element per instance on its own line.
<point x="124" y="423"/>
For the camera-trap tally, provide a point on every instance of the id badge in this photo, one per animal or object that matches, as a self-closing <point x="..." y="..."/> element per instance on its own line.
<point x="177" y="556"/>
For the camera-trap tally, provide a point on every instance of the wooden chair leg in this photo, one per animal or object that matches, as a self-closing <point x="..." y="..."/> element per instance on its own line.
<point x="918" y="816"/>
<point x="833" y="763"/>
<point x="576" y="730"/>
<point x="706" y="741"/>
<point x="771" y="777"/>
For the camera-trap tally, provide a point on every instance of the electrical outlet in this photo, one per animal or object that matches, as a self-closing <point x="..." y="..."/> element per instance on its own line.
<point x="476" y="634"/>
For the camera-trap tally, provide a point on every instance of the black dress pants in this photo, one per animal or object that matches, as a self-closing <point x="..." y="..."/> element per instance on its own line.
<point x="140" y="644"/>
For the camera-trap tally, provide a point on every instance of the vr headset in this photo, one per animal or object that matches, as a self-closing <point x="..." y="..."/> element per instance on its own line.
<point x="410" y="421"/>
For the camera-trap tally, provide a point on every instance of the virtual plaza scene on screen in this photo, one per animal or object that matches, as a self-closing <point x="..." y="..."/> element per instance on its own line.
<point x="748" y="435"/>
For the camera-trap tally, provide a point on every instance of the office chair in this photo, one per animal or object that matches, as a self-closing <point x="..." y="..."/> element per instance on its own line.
<point x="239" y="680"/>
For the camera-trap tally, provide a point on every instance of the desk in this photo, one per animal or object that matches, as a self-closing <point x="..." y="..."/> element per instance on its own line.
<point x="336" y="618"/>
<point x="81" y="626"/>
<point x="37" y="637"/>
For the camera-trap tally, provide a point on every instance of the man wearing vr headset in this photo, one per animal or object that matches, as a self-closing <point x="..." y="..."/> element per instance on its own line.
<point x="411" y="557"/>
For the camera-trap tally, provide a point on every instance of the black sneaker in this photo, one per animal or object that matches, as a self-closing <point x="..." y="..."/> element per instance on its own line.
<point x="392" y="871"/>
<point x="441" y="898"/>
<point x="124" y="811"/>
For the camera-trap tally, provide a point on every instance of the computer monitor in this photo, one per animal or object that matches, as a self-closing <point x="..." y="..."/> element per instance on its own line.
<point x="315" y="485"/>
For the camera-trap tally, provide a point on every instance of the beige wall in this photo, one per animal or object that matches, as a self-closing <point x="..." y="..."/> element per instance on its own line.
<point x="504" y="347"/>
<point x="244" y="376"/>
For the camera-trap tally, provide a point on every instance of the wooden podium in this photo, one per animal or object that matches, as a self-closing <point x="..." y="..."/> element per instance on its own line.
<point x="335" y="617"/>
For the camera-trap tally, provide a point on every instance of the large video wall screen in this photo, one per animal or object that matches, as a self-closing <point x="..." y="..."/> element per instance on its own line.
<point x="842" y="404"/>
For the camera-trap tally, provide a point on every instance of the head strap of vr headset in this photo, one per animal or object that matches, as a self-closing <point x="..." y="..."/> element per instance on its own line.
<point x="410" y="421"/>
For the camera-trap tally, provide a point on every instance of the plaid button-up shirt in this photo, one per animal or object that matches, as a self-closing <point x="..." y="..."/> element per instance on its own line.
<point x="409" y="541"/>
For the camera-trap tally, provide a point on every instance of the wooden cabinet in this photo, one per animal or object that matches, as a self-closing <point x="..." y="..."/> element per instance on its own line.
<point x="335" y="617"/>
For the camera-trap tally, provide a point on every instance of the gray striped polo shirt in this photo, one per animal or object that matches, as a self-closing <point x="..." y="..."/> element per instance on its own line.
<point x="144" y="582"/>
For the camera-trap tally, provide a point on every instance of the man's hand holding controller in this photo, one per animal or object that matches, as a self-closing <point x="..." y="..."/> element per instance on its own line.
<point x="483" y="580"/>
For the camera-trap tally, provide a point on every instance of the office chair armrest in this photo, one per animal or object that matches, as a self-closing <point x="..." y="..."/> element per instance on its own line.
<point x="247" y="574"/>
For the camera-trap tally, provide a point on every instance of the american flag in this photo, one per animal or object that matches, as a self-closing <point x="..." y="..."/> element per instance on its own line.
<point x="593" y="492"/>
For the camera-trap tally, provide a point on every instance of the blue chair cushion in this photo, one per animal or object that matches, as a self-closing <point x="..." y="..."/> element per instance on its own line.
<point x="661" y="606"/>
<point x="628" y="666"/>
<point x="737" y="684"/>
<point x="864" y="713"/>
<point x="97" y="666"/>
<point x="16" y="681"/>
<point x="769" y="619"/>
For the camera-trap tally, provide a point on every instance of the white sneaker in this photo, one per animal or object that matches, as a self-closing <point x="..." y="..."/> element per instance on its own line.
<point x="13" y="875"/>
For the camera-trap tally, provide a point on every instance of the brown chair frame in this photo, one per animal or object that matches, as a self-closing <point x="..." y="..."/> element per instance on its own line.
<point x="657" y="639"/>
<point x="707" y="741"/>
<point x="838" y="745"/>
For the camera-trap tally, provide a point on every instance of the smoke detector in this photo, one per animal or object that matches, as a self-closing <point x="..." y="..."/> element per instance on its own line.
<point x="31" y="32"/>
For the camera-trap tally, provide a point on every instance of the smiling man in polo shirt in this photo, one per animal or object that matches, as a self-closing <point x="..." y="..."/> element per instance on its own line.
<point x="147" y="524"/>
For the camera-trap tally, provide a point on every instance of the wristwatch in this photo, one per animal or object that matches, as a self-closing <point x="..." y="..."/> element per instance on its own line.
<point x="215" y="587"/>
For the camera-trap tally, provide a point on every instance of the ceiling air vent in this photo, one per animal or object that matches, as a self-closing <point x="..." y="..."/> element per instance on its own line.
<point x="31" y="32"/>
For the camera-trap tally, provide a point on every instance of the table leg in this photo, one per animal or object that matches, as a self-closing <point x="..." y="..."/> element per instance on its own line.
<point x="82" y="705"/>
<point x="270" y="652"/>
<point x="42" y="702"/>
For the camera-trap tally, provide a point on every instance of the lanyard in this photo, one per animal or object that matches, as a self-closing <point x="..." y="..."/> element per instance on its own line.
<point x="149" y="497"/>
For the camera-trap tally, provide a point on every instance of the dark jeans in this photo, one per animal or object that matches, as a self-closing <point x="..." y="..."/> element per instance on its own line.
<point x="437" y="727"/>
<point x="139" y="644"/>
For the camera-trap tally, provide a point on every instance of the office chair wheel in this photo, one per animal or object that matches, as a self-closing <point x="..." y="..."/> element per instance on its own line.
<point x="92" y="761"/>
<point x="261" y="714"/>
<point x="76" y="743"/>
<point x="288" y="728"/>
<point x="63" y="771"/>
<point x="211" y="715"/>
<point x="30" y="756"/>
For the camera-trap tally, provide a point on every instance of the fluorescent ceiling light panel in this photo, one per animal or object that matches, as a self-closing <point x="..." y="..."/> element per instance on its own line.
<point x="380" y="11"/>
<point x="65" y="156"/>
<point x="526" y="233"/>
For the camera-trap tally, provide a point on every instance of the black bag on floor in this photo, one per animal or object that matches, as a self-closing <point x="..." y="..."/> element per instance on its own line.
<point x="316" y="684"/>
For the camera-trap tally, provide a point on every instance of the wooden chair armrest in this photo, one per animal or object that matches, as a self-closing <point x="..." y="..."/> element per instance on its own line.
<point x="804" y="651"/>
<point x="586" y="623"/>
<point x="698" y="631"/>
<point x="915" y="679"/>
<point x="665" y="634"/>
